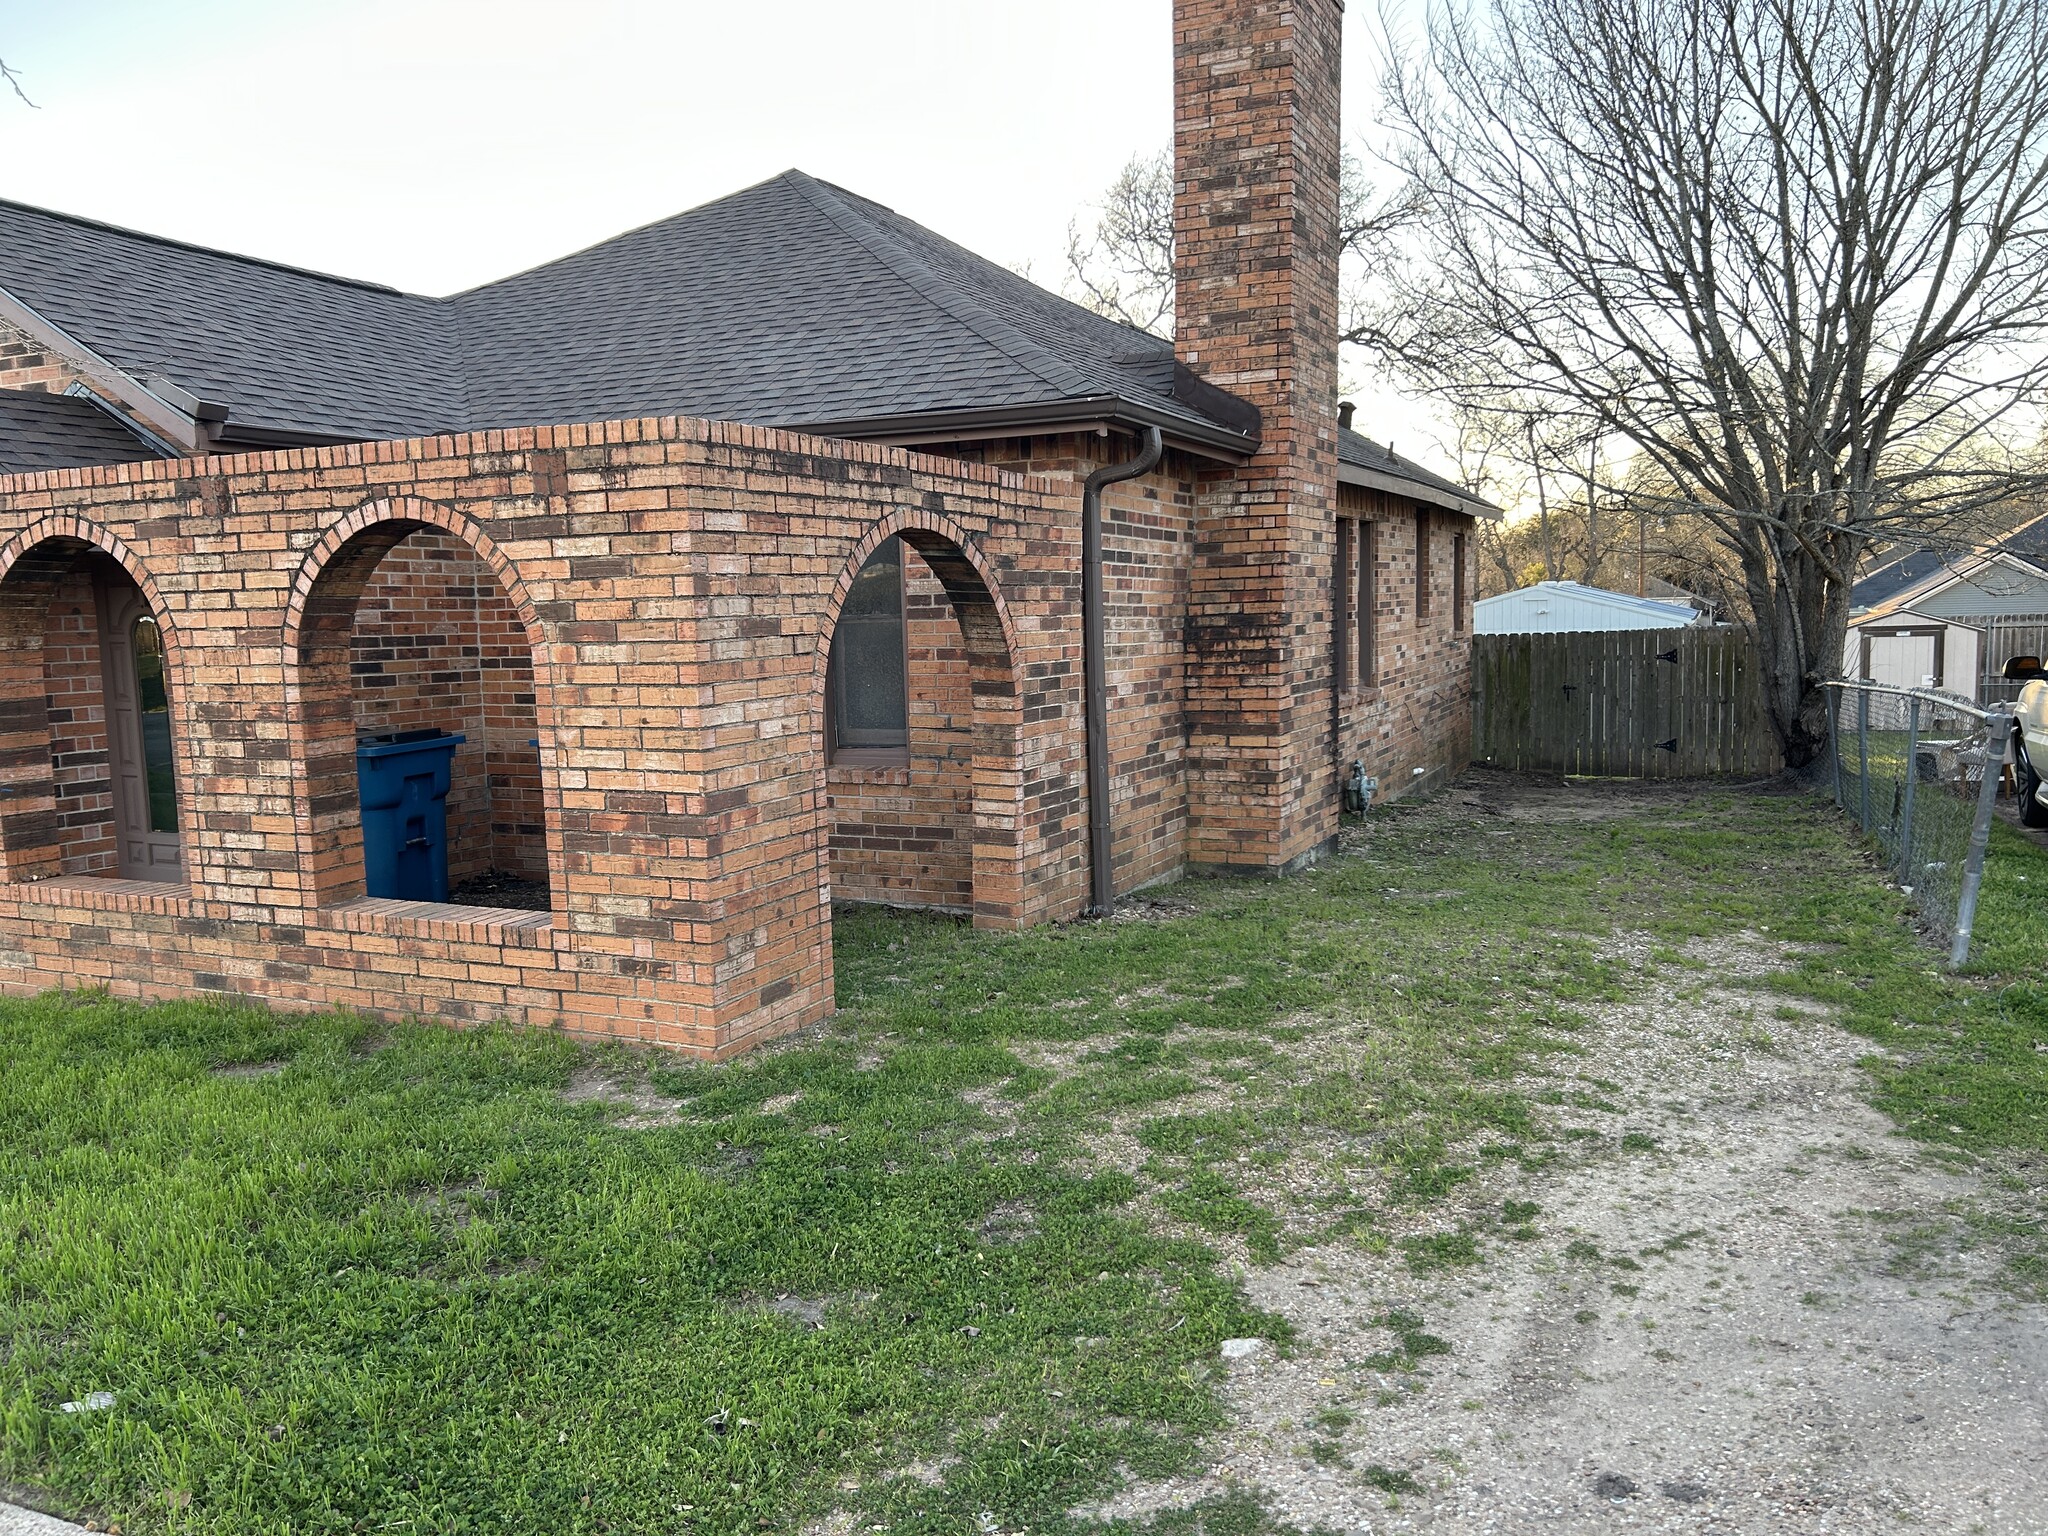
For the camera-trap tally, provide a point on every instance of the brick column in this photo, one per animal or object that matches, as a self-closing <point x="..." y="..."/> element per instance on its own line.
<point x="1256" y="170"/>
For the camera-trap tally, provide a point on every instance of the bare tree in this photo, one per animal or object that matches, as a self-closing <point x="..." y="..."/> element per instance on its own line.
<point x="12" y="81"/>
<point x="1122" y="265"/>
<point x="1793" y="252"/>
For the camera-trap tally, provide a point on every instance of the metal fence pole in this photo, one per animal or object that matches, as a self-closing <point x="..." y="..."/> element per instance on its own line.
<point x="1835" y="742"/>
<point x="1906" y="872"/>
<point x="1863" y="758"/>
<point x="1996" y="730"/>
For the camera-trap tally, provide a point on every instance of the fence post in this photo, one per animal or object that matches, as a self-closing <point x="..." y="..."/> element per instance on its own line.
<point x="1835" y="742"/>
<point x="1863" y="758"/>
<point x="1906" y="874"/>
<point x="1997" y="730"/>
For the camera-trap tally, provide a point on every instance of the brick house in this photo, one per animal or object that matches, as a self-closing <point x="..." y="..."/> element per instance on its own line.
<point x="778" y="552"/>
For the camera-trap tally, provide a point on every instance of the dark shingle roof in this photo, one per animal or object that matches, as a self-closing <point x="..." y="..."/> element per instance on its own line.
<point x="1363" y="453"/>
<point x="795" y="303"/>
<point x="285" y="348"/>
<point x="1888" y="581"/>
<point x="792" y="303"/>
<point x="39" y="431"/>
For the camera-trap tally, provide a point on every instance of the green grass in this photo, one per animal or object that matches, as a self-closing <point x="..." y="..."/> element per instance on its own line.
<point x="403" y="1284"/>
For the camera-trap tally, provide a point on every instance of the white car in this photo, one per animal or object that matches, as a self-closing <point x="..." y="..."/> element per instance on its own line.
<point x="2030" y="738"/>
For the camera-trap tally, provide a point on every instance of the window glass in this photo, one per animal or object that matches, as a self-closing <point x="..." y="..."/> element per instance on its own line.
<point x="869" y="696"/>
<point x="153" y="702"/>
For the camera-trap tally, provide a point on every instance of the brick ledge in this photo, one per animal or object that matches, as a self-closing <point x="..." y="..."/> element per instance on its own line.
<point x="102" y="893"/>
<point x="441" y="920"/>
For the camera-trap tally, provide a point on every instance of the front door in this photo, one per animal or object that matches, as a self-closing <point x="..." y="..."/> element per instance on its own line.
<point x="139" y="736"/>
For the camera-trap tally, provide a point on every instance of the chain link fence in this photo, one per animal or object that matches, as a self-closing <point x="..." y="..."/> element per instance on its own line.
<point x="1919" y="770"/>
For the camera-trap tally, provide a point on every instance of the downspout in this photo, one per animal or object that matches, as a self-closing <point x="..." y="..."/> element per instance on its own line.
<point x="1101" y="873"/>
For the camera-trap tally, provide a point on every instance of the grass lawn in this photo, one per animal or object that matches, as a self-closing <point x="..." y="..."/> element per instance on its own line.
<point x="946" y="1263"/>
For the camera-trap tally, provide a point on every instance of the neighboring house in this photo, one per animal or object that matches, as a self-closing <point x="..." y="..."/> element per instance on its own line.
<point x="1567" y="607"/>
<point x="1930" y="619"/>
<point x="752" y="554"/>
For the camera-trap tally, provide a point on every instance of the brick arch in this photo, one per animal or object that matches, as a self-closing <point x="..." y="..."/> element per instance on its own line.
<point x="319" y="699"/>
<point x="395" y="518"/>
<point x="32" y="565"/>
<point x="988" y="635"/>
<point x="947" y="541"/>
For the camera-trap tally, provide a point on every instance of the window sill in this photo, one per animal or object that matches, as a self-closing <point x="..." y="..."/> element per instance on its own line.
<point x="869" y="765"/>
<point x="441" y="920"/>
<point x="103" y="893"/>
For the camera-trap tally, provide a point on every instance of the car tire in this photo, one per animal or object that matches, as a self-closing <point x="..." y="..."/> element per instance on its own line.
<point x="2032" y="812"/>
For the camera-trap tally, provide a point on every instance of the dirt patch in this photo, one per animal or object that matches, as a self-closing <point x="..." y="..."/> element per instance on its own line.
<point x="245" y="1071"/>
<point x="643" y="1108"/>
<point x="452" y="1207"/>
<point x="1710" y="1328"/>
<point x="496" y="888"/>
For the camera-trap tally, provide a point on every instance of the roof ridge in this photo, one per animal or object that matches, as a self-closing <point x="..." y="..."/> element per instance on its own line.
<point x="613" y="239"/>
<point x="144" y="235"/>
<point x="939" y="290"/>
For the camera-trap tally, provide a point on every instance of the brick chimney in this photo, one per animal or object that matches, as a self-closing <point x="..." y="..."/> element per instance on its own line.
<point x="1256" y="171"/>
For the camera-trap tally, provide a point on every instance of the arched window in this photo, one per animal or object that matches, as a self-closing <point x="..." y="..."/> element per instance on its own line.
<point x="153" y="709"/>
<point x="868" y="687"/>
<point x="138" y="715"/>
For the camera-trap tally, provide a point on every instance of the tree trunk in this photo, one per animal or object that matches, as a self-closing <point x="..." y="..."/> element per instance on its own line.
<point x="1802" y="622"/>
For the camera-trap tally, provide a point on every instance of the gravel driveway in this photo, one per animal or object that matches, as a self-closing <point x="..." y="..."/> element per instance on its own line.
<point x="1772" y="1317"/>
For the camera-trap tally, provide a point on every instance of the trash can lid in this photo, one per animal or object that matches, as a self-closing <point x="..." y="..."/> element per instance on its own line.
<point x="406" y="741"/>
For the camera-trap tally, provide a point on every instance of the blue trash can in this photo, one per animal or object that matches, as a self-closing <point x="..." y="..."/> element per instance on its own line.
<point x="402" y="780"/>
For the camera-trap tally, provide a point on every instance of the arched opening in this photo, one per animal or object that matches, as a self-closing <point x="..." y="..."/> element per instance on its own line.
<point x="90" y="732"/>
<point x="920" y="730"/>
<point x="416" y="685"/>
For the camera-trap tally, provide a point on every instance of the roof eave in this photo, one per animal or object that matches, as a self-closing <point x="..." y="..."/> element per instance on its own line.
<point x="1078" y="414"/>
<point x="1415" y="490"/>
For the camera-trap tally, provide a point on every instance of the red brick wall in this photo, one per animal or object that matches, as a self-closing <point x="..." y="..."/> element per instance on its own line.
<point x="1148" y="545"/>
<point x="436" y="644"/>
<point x="76" y="690"/>
<point x="1416" y="713"/>
<point x="672" y="579"/>
<point x="903" y="831"/>
<point x="26" y="364"/>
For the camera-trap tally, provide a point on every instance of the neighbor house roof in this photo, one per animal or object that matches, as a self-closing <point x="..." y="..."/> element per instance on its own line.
<point x="1918" y="572"/>
<point x="39" y="431"/>
<point x="792" y="303"/>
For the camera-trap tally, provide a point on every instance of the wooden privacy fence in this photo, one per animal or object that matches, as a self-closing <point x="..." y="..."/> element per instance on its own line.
<point x="1645" y="704"/>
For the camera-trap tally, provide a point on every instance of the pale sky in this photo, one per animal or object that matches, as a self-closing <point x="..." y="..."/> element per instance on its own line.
<point x="435" y="144"/>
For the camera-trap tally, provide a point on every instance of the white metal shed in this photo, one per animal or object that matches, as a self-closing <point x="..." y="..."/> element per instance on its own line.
<point x="1563" y="607"/>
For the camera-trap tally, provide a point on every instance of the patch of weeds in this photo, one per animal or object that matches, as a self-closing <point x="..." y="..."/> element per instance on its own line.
<point x="1327" y="1453"/>
<point x="1335" y="1421"/>
<point x="1585" y="1315"/>
<point x="1637" y="1141"/>
<point x="1582" y="1251"/>
<point x="1412" y="1343"/>
<point x="1442" y="1250"/>
<point x="1389" y="1479"/>
<point x="1213" y="1204"/>
<point x="1677" y="1243"/>
<point x="1630" y="1291"/>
